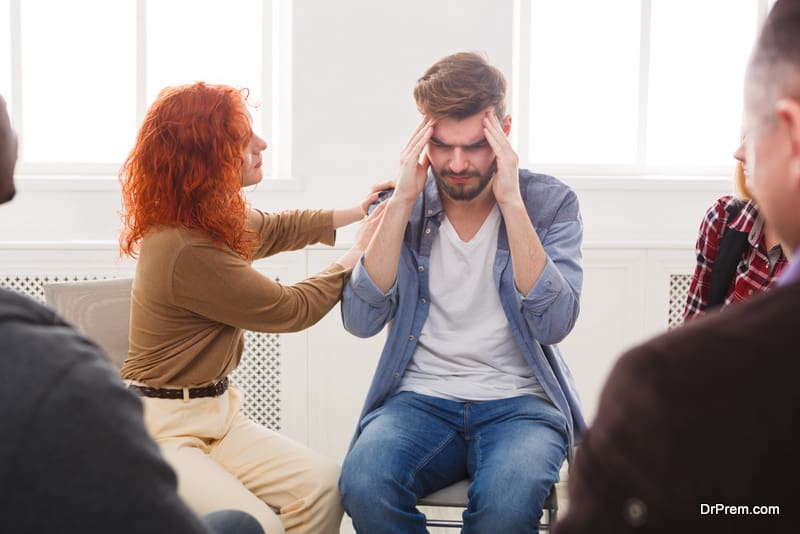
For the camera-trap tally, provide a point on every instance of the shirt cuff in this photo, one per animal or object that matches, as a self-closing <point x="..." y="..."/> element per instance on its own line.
<point x="365" y="289"/>
<point x="546" y="288"/>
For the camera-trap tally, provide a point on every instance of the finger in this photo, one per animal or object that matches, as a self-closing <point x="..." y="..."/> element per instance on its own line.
<point x="424" y="158"/>
<point x="495" y="135"/>
<point x="425" y="131"/>
<point x="421" y="143"/>
<point x="376" y="213"/>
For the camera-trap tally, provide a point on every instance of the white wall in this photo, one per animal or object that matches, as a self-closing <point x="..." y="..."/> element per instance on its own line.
<point x="354" y="67"/>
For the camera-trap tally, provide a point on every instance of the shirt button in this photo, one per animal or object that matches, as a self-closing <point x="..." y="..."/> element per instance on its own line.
<point x="397" y="375"/>
<point x="427" y="230"/>
<point x="635" y="512"/>
<point x="422" y="301"/>
<point x="430" y="212"/>
<point x="420" y="268"/>
<point x="411" y="338"/>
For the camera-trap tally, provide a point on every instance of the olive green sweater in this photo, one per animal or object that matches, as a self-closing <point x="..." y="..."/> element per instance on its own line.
<point x="192" y="297"/>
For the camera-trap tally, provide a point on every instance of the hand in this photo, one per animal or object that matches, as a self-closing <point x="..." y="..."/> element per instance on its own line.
<point x="372" y="197"/>
<point x="367" y="227"/>
<point x="506" y="182"/>
<point x="414" y="163"/>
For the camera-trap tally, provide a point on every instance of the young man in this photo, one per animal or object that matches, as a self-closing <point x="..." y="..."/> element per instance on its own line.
<point x="75" y="455"/>
<point x="476" y="265"/>
<point x="653" y="461"/>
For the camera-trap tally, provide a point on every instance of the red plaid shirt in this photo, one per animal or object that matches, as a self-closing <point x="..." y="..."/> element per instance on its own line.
<point x="753" y="273"/>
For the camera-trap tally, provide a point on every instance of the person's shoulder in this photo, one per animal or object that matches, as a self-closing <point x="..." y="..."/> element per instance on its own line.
<point x="547" y="198"/>
<point x="724" y="205"/>
<point x="16" y="307"/>
<point x="529" y="178"/>
<point x="35" y="338"/>
<point x="40" y="352"/>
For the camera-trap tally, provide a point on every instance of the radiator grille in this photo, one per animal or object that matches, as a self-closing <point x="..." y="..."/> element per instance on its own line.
<point x="678" y="292"/>
<point x="258" y="375"/>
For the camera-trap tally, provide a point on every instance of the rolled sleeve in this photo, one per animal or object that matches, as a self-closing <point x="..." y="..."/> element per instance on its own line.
<point x="552" y="305"/>
<point x="365" y="308"/>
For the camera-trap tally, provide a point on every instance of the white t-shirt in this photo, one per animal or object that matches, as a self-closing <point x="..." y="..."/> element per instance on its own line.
<point x="466" y="350"/>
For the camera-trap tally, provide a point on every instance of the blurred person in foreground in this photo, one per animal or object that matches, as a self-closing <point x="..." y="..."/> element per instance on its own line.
<point x="693" y="430"/>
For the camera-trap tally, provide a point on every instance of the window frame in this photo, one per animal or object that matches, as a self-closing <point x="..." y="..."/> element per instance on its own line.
<point x="275" y="108"/>
<point x="619" y="173"/>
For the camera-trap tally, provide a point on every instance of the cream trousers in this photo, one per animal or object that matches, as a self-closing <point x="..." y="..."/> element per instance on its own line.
<point x="225" y="461"/>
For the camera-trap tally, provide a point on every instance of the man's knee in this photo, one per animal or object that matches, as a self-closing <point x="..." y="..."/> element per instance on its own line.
<point x="361" y="485"/>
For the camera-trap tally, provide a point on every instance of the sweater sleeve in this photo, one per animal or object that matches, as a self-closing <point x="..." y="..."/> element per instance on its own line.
<point x="290" y="230"/>
<point x="221" y="287"/>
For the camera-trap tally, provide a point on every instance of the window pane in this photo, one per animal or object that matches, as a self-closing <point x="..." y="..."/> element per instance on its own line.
<point x="584" y="81"/>
<point x="5" y="53"/>
<point x="78" y="80"/>
<point x="212" y="41"/>
<point x="698" y="54"/>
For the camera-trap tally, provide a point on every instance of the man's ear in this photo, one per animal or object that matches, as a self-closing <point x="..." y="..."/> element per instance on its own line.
<point x="788" y="112"/>
<point x="506" y="124"/>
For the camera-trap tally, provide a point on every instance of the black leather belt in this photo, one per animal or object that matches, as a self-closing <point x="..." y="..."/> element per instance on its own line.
<point x="213" y="390"/>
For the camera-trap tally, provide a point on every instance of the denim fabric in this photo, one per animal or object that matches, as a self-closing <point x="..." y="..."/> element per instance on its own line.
<point x="538" y="320"/>
<point x="511" y="449"/>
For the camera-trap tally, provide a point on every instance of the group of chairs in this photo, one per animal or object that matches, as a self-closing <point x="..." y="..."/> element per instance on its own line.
<point x="100" y="309"/>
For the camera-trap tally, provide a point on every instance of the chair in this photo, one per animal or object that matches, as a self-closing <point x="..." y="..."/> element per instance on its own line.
<point x="455" y="496"/>
<point x="99" y="309"/>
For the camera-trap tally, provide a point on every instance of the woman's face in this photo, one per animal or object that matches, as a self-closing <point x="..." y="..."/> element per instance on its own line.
<point x="252" y="173"/>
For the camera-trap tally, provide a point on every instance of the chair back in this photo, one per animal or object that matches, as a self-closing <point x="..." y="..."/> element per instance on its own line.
<point x="99" y="309"/>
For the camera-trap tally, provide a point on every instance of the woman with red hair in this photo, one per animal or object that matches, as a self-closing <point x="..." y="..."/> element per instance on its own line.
<point x="195" y="291"/>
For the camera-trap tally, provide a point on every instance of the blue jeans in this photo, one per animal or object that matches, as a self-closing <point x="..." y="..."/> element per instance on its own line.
<point x="511" y="449"/>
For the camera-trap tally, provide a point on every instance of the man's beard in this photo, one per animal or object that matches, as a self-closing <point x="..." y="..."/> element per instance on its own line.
<point x="459" y="192"/>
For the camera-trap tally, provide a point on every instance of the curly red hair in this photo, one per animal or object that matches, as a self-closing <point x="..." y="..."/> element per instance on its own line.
<point x="186" y="167"/>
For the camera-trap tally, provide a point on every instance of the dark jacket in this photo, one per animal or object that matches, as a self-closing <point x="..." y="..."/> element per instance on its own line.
<point x="695" y="419"/>
<point x="74" y="453"/>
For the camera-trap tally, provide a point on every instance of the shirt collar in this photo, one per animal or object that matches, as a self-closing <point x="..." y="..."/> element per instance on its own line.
<point x="432" y="202"/>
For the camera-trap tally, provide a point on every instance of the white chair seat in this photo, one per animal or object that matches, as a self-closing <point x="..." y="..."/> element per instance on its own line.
<point x="455" y="496"/>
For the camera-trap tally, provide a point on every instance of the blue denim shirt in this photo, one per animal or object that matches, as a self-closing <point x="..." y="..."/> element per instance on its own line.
<point x="538" y="320"/>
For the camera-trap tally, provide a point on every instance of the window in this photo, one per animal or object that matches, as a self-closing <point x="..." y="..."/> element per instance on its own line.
<point x="621" y="87"/>
<point x="79" y="80"/>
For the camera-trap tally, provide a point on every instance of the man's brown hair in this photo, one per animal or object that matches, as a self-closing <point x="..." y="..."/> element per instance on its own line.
<point x="459" y="86"/>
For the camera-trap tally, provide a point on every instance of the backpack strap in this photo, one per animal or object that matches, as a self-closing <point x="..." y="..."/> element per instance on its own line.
<point x="731" y="246"/>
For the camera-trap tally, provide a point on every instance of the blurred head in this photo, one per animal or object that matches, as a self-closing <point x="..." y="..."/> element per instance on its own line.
<point x="458" y="91"/>
<point x="194" y="152"/>
<point x="8" y="154"/>
<point x="772" y="121"/>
